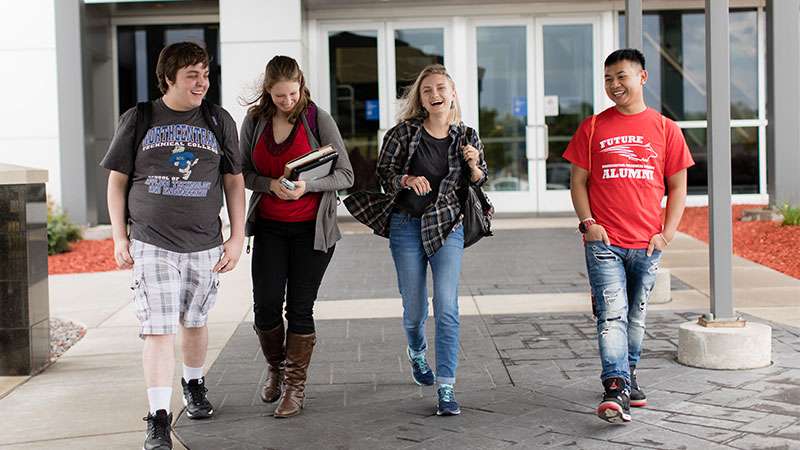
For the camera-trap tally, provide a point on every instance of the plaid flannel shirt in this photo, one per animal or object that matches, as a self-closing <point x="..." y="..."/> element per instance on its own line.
<point x="399" y="144"/>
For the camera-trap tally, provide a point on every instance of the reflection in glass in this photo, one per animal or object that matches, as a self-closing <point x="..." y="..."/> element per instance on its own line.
<point x="674" y="49"/>
<point x="568" y="74"/>
<point x="413" y="50"/>
<point x="502" y="101"/>
<point x="744" y="160"/>
<point x="138" y="48"/>
<point x="354" y="100"/>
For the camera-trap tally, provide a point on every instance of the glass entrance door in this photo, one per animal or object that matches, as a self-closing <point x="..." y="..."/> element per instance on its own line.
<point x="569" y="85"/>
<point x="369" y="67"/>
<point x="138" y="47"/>
<point x="502" y="88"/>
<point x="503" y="104"/>
<point x="537" y="79"/>
<point x="354" y="99"/>
<point x="524" y="83"/>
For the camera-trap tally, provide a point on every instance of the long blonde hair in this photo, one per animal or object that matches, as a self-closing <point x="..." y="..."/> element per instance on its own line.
<point x="411" y="105"/>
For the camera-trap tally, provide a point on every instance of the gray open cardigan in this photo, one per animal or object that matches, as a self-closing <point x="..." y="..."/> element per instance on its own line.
<point x="327" y="230"/>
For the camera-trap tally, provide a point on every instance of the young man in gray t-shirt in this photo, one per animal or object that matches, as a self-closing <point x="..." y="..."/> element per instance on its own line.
<point x="168" y="185"/>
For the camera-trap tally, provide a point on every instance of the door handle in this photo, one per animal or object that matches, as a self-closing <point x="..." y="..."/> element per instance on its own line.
<point x="533" y="132"/>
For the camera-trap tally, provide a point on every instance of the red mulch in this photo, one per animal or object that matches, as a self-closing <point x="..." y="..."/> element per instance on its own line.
<point x="85" y="256"/>
<point x="767" y="243"/>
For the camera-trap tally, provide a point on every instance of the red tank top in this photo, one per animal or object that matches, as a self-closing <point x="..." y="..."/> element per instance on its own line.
<point x="270" y="164"/>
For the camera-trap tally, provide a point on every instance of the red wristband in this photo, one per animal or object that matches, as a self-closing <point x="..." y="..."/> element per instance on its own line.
<point x="583" y="227"/>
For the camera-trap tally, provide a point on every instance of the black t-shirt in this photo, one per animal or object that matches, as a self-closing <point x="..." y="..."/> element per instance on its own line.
<point x="176" y="195"/>
<point x="430" y="161"/>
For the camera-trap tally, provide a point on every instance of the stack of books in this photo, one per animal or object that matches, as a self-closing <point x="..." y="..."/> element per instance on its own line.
<point x="313" y="165"/>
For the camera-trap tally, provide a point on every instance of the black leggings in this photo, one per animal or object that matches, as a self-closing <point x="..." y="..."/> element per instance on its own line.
<point x="284" y="257"/>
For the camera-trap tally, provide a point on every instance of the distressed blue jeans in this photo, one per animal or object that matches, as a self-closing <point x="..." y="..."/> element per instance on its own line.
<point x="411" y="263"/>
<point x="621" y="280"/>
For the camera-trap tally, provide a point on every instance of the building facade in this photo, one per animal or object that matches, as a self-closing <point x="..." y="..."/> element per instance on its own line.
<point x="526" y="73"/>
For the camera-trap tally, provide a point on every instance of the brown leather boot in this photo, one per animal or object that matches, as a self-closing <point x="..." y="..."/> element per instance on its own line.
<point x="275" y="354"/>
<point x="298" y="355"/>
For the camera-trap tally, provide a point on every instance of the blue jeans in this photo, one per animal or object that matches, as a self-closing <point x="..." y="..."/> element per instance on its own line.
<point x="411" y="263"/>
<point x="621" y="281"/>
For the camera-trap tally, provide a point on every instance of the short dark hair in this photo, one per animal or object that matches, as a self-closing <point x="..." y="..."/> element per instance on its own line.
<point x="175" y="57"/>
<point x="625" y="54"/>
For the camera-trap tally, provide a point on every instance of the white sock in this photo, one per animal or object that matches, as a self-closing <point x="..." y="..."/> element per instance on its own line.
<point x="192" y="373"/>
<point x="159" y="398"/>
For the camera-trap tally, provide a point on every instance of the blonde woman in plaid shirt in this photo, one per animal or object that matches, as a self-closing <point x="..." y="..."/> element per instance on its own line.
<point x="420" y="169"/>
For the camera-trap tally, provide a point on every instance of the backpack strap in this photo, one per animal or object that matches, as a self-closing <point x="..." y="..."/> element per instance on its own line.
<point x="591" y="136"/>
<point x="312" y="138"/>
<point x="311" y="123"/>
<point x="211" y="114"/>
<point x="144" y="115"/>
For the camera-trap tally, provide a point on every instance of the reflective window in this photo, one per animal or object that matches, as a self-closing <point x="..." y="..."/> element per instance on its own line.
<point x="354" y="100"/>
<point x="413" y="50"/>
<point x="744" y="160"/>
<point x="674" y="49"/>
<point x="568" y="76"/>
<point x="138" y="48"/>
<point x="502" y="101"/>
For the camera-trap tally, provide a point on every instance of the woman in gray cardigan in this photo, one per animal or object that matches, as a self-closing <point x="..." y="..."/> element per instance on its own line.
<point x="295" y="230"/>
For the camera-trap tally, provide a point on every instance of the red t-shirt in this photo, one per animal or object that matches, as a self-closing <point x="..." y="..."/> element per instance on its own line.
<point x="631" y="156"/>
<point x="270" y="164"/>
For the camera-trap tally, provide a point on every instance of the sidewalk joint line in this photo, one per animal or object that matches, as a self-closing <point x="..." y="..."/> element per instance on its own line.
<point x="494" y="344"/>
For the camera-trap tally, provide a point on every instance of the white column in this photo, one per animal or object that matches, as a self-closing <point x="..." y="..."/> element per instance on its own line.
<point x="29" y="88"/>
<point x="71" y="143"/>
<point x="783" y="101"/>
<point x="251" y="33"/>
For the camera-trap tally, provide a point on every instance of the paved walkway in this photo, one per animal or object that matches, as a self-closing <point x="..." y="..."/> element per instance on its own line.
<point x="532" y="267"/>
<point x="525" y="381"/>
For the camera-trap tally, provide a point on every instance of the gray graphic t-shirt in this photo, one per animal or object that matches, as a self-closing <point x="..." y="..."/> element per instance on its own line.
<point x="176" y="196"/>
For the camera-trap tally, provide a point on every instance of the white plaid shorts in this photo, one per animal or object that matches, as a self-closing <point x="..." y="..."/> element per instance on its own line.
<point x="169" y="287"/>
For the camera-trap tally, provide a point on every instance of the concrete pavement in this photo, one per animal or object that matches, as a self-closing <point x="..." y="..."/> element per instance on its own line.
<point x="532" y="266"/>
<point x="525" y="381"/>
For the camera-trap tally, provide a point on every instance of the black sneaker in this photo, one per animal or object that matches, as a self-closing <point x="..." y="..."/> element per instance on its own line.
<point x="638" y="398"/>
<point x="447" y="404"/>
<point x="615" y="407"/>
<point x="159" y="427"/>
<point x="421" y="373"/>
<point x="195" y="400"/>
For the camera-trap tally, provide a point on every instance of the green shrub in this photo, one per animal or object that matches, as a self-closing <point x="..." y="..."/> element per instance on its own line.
<point x="791" y="214"/>
<point x="60" y="231"/>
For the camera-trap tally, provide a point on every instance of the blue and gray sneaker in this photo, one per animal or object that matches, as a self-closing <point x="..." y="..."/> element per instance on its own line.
<point x="447" y="405"/>
<point x="420" y="371"/>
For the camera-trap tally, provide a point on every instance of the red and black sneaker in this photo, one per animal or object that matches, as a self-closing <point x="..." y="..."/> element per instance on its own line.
<point x="616" y="404"/>
<point x="638" y="398"/>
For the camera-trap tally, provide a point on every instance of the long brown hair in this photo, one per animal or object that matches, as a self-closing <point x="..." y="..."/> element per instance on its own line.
<point x="411" y="104"/>
<point x="280" y="68"/>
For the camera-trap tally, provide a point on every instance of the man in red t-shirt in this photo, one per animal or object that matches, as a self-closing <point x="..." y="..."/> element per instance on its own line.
<point x="620" y="161"/>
